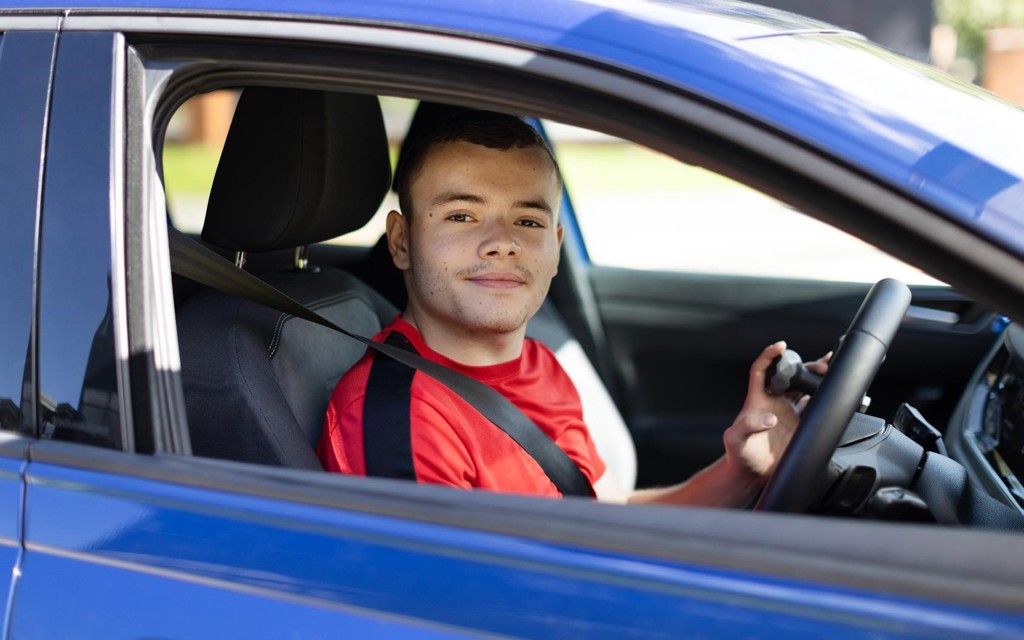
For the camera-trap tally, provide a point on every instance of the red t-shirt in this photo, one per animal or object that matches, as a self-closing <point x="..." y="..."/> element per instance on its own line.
<point x="452" y="443"/>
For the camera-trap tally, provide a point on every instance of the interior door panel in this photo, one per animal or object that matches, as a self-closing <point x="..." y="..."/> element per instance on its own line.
<point x="683" y="344"/>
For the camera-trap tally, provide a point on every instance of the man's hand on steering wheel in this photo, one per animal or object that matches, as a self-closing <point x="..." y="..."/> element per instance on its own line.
<point x="762" y="430"/>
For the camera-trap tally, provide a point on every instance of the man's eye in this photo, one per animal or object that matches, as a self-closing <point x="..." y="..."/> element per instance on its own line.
<point x="533" y="224"/>
<point x="459" y="217"/>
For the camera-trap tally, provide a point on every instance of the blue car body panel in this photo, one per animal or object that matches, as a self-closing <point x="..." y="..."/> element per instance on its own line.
<point x="255" y="567"/>
<point x="12" y="488"/>
<point x="827" y="88"/>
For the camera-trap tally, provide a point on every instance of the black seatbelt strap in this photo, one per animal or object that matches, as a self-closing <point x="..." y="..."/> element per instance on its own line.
<point x="387" y="419"/>
<point x="192" y="260"/>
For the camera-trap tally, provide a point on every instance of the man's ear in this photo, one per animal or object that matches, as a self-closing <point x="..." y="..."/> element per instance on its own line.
<point x="398" y="239"/>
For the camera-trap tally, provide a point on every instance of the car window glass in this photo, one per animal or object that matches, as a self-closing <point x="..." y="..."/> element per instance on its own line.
<point x="77" y="362"/>
<point x="640" y="209"/>
<point x="192" y="147"/>
<point x="15" y="267"/>
<point x="24" y="71"/>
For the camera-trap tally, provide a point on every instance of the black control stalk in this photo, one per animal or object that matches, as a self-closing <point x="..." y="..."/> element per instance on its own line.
<point x="788" y="373"/>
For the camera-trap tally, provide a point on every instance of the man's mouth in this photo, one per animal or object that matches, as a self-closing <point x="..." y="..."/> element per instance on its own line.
<point x="498" y="280"/>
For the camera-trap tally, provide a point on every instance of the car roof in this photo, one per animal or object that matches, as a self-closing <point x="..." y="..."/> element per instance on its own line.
<point x="947" y="143"/>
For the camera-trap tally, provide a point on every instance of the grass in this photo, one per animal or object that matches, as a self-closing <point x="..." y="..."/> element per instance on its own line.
<point x="189" y="168"/>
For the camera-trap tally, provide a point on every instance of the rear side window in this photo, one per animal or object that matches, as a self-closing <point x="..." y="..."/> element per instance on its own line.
<point x="79" y="397"/>
<point x="24" y="74"/>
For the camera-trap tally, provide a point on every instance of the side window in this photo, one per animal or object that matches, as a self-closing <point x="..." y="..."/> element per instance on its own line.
<point x="623" y="191"/>
<point x="77" y="362"/>
<point x="24" y="72"/>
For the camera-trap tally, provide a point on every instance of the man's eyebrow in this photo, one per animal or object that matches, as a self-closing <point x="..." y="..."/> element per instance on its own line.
<point x="539" y="204"/>
<point x="448" y="197"/>
<point x="455" y="196"/>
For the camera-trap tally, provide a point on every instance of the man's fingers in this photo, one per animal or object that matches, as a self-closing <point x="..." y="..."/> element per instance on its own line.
<point x="759" y="370"/>
<point x="801" y="403"/>
<point x="752" y="423"/>
<point x="820" y="366"/>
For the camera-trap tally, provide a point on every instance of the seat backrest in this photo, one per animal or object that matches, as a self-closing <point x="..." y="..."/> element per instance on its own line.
<point x="298" y="167"/>
<point x="604" y="421"/>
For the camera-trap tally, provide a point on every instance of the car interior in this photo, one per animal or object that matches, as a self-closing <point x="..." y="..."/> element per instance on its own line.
<point x="302" y="166"/>
<point x="257" y="380"/>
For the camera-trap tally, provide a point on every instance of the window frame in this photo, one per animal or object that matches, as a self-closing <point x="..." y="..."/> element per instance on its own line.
<point x="489" y="74"/>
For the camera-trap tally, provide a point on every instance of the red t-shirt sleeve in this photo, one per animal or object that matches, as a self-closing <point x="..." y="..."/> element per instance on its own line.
<point x="341" y="442"/>
<point x="338" y="439"/>
<point x="576" y="442"/>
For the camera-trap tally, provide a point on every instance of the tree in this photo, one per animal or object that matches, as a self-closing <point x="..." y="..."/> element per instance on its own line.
<point x="970" y="19"/>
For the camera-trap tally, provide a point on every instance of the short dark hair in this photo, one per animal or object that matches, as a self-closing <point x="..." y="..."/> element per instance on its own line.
<point x="485" y="128"/>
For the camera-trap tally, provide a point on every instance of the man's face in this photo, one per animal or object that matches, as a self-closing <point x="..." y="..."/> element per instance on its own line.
<point x="483" y="241"/>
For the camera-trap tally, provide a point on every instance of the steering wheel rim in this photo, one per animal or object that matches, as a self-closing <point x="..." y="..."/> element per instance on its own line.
<point x="853" y="367"/>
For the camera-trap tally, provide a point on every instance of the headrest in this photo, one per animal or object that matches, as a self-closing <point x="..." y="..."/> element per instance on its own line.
<point x="298" y="167"/>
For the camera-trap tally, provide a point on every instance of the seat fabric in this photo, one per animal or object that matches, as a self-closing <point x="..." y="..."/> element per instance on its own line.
<point x="298" y="166"/>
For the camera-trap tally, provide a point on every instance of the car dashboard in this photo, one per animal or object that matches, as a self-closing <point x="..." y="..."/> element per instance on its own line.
<point x="987" y="431"/>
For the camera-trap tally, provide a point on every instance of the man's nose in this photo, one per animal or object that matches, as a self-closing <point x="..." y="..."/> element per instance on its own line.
<point x="500" y="242"/>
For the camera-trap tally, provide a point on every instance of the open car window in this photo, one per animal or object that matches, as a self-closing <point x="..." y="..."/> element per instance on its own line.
<point x="634" y="207"/>
<point x="619" y="189"/>
<point x="672" y="353"/>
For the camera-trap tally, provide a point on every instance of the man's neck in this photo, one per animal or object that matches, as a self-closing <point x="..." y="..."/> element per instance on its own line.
<point x="472" y="348"/>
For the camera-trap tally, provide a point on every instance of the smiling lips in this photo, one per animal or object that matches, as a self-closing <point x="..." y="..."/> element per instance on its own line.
<point x="498" y="280"/>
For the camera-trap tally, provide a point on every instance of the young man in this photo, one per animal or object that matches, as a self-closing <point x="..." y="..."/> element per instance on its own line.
<point x="478" y="243"/>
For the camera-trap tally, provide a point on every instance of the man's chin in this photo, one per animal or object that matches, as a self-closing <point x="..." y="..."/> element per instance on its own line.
<point x="502" y="326"/>
<point x="496" y="323"/>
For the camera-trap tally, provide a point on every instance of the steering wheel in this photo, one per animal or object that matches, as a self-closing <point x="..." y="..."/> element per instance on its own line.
<point x="792" y="487"/>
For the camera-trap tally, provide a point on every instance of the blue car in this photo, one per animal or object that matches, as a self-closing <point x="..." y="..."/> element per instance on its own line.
<point x="735" y="175"/>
